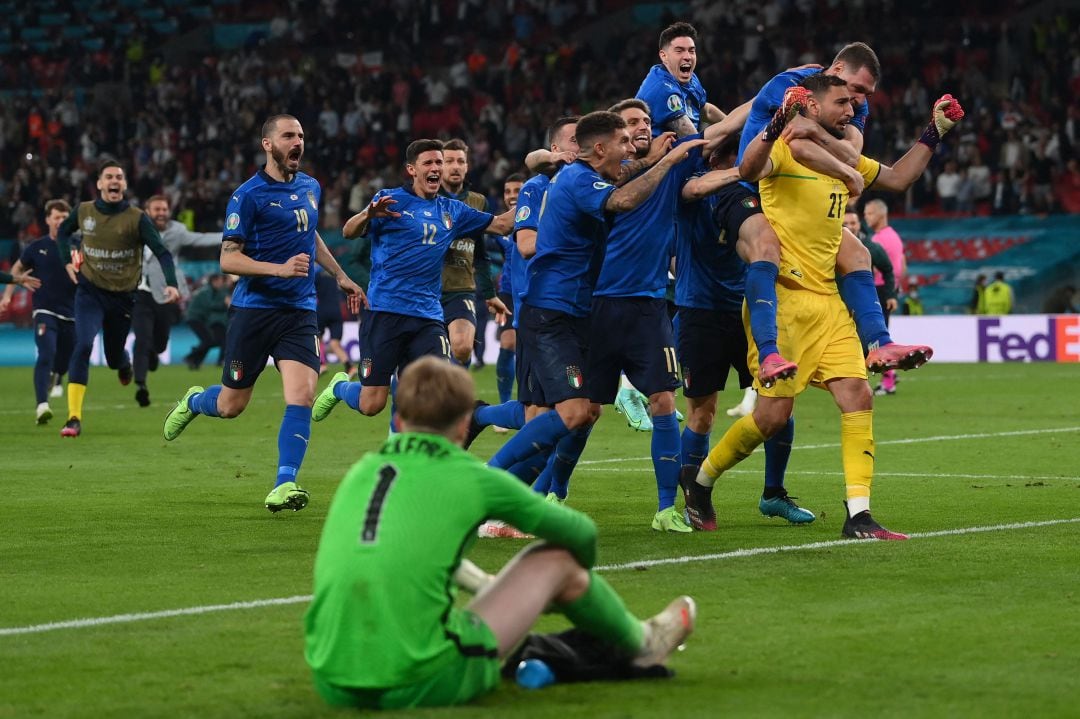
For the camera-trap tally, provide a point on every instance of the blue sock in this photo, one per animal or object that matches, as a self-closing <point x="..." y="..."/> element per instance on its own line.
<point x="538" y="435"/>
<point x="777" y="453"/>
<point x="393" y="403"/>
<point x="761" y="303"/>
<point x="292" y="441"/>
<point x="529" y="469"/>
<point x="695" y="447"/>
<point x="349" y="393"/>
<point x="666" y="455"/>
<point x="563" y="460"/>
<point x="205" y="402"/>
<point x="859" y="294"/>
<point x="508" y="414"/>
<point x="504" y="374"/>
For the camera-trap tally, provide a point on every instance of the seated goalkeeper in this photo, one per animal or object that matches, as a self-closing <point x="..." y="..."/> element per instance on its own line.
<point x="383" y="630"/>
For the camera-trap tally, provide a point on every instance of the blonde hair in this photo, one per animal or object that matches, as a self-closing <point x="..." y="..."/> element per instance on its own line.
<point x="433" y="394"/>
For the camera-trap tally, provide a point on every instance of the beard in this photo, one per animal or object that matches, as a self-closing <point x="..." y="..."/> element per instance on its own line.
<point x="281" y="159"/>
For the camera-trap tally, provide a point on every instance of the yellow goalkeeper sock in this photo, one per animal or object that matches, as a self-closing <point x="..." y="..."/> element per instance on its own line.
<point x="75" y="393"/>
<point x="857" y="450"/>
<point x="738" y="442"/>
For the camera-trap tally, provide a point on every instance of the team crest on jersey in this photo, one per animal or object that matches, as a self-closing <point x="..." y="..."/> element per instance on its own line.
<point x="573" y="376"/>
<point x="42" y="328"/>
<point x="750" y="203"/>
<point x="89" y="224"/>
<point x="236" y="370"/>
<point x="447" y="220"/>
<point x="522" y="214"/>
<point x="232" y="222"/>
<point x="674" y="103"/>
<point x="311" y="199"/>
<point x="365" y="368"/>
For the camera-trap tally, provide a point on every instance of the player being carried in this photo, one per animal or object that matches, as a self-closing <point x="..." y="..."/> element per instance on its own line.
<point x="806" y="207"/>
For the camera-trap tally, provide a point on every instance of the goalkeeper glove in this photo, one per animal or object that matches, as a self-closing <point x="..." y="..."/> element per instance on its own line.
<point x="794" y="101"/>
<point x="946" y="113"/>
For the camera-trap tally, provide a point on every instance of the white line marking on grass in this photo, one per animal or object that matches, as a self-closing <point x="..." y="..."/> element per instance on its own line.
<point x="815" y="473"/>
<point x="142" y="616"/>
<point x="756" y="551"/>
<point x="734" y="554"/>
<point x="912" y="440"/>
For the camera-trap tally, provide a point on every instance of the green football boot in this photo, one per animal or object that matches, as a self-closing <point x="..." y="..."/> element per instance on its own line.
<point x="326" y="401"/>
<point x="669" y="520"/>
<point x="287" y="495"/>
<point x="629" y="402"/>
<point x="180" y="416"/>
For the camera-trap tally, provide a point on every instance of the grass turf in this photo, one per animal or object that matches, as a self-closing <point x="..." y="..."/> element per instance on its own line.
<point x="119" y="521"/>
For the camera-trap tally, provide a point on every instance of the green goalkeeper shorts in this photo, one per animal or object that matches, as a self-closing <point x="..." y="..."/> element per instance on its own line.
<point x="463" y="679"/>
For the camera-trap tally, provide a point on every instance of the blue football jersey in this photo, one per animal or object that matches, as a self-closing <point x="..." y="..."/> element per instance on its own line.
<point x="768" y="100"/>
<point x="407" y="252"/>
<point x="641" y="241"/>
<point x="569" y="241"/>
<point x="668" y="99"/>
<point x="526" y="217"/>
<point x="56" y="296"/>
<point x="709" y="274"/>
<point x="275" y="221"/>
<point x="506" y="279"/>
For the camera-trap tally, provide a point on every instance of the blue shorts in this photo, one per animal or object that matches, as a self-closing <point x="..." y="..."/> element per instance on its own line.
<point x="557" y="345"/>
<point x="389" y="342"/>
<point x="710" y="344"/>
<point x="528" y="389"/>
<point x="331" y="321"/>
<point x="631" y="335"/>
<point x="256" y="334"/>
<point x="735" y="205"/>
<point x="55" y="340"/>
<point x="459" y="306"/>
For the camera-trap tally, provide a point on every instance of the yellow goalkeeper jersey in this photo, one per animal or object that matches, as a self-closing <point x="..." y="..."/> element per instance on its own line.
<point x="806" y="209"/>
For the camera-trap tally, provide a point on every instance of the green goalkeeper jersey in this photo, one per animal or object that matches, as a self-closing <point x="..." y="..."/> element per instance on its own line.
<point x="397" y="529"/>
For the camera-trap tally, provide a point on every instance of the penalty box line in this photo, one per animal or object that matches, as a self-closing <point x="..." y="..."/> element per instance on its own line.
<point x="643" y="564"/>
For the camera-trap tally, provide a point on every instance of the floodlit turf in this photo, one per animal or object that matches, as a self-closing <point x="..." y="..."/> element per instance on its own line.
<point x="981" y="624"/>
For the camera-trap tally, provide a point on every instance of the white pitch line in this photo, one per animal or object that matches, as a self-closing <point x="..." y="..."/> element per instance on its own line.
<point x="913" y="440"/>
<point x="756" y="551"/>
<point x="735" y="554"/>
<point x="815" y="473"/>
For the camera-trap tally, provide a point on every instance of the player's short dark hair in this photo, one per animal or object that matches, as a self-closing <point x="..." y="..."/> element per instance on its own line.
<point x="677" y="29"/>
<point x="857" y="55"/>
<point x="559" y="124"/>
<point x="58" y="205"/>
<point x="434" y="394"/>
<point x="271" y="123"/>
<point x="515" y="177"/>
<point x="417" y="147"/>
<point x="597" y="125"/>
<point x="456" y="144"/>
<point x="821" y="82"/>
<point x="629" y="103"/>
<point x="105" y="163"/>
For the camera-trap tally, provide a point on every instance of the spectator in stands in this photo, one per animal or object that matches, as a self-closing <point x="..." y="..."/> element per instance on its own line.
<point x="998" y="296"/>
<point x="912" y="303"/>
<point x="948" y="186"/>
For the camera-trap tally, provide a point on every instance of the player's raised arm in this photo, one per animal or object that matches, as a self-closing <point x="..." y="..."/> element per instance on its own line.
<point x="755" y="162"/>
<point x="943" y="117"/>
<point x="810" y="144"/>
<point x="633" y="193"/>
<point x="731" y="124"/>
<point x="501" y="224"/>
<point x="708" y="183"/>
<point x="357" y="225"/>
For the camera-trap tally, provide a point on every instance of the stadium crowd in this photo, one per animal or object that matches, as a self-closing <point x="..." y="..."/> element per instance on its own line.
<point x="496" y="73"/>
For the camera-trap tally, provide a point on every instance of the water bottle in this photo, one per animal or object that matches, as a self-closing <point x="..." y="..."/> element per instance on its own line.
<point x="534" y="674"/>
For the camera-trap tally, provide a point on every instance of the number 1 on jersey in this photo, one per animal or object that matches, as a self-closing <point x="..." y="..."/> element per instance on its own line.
<point x="387" y="475"/>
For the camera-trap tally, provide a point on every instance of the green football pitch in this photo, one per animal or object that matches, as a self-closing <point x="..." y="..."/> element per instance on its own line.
<point x="140" y="578"/>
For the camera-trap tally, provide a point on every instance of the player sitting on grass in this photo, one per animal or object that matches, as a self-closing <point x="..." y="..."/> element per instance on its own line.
<point x="383" y="630"/>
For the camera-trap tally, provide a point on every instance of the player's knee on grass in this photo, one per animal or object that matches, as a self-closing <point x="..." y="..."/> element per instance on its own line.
<point x="758" y="241"/>
<point x="853" y="255"/>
